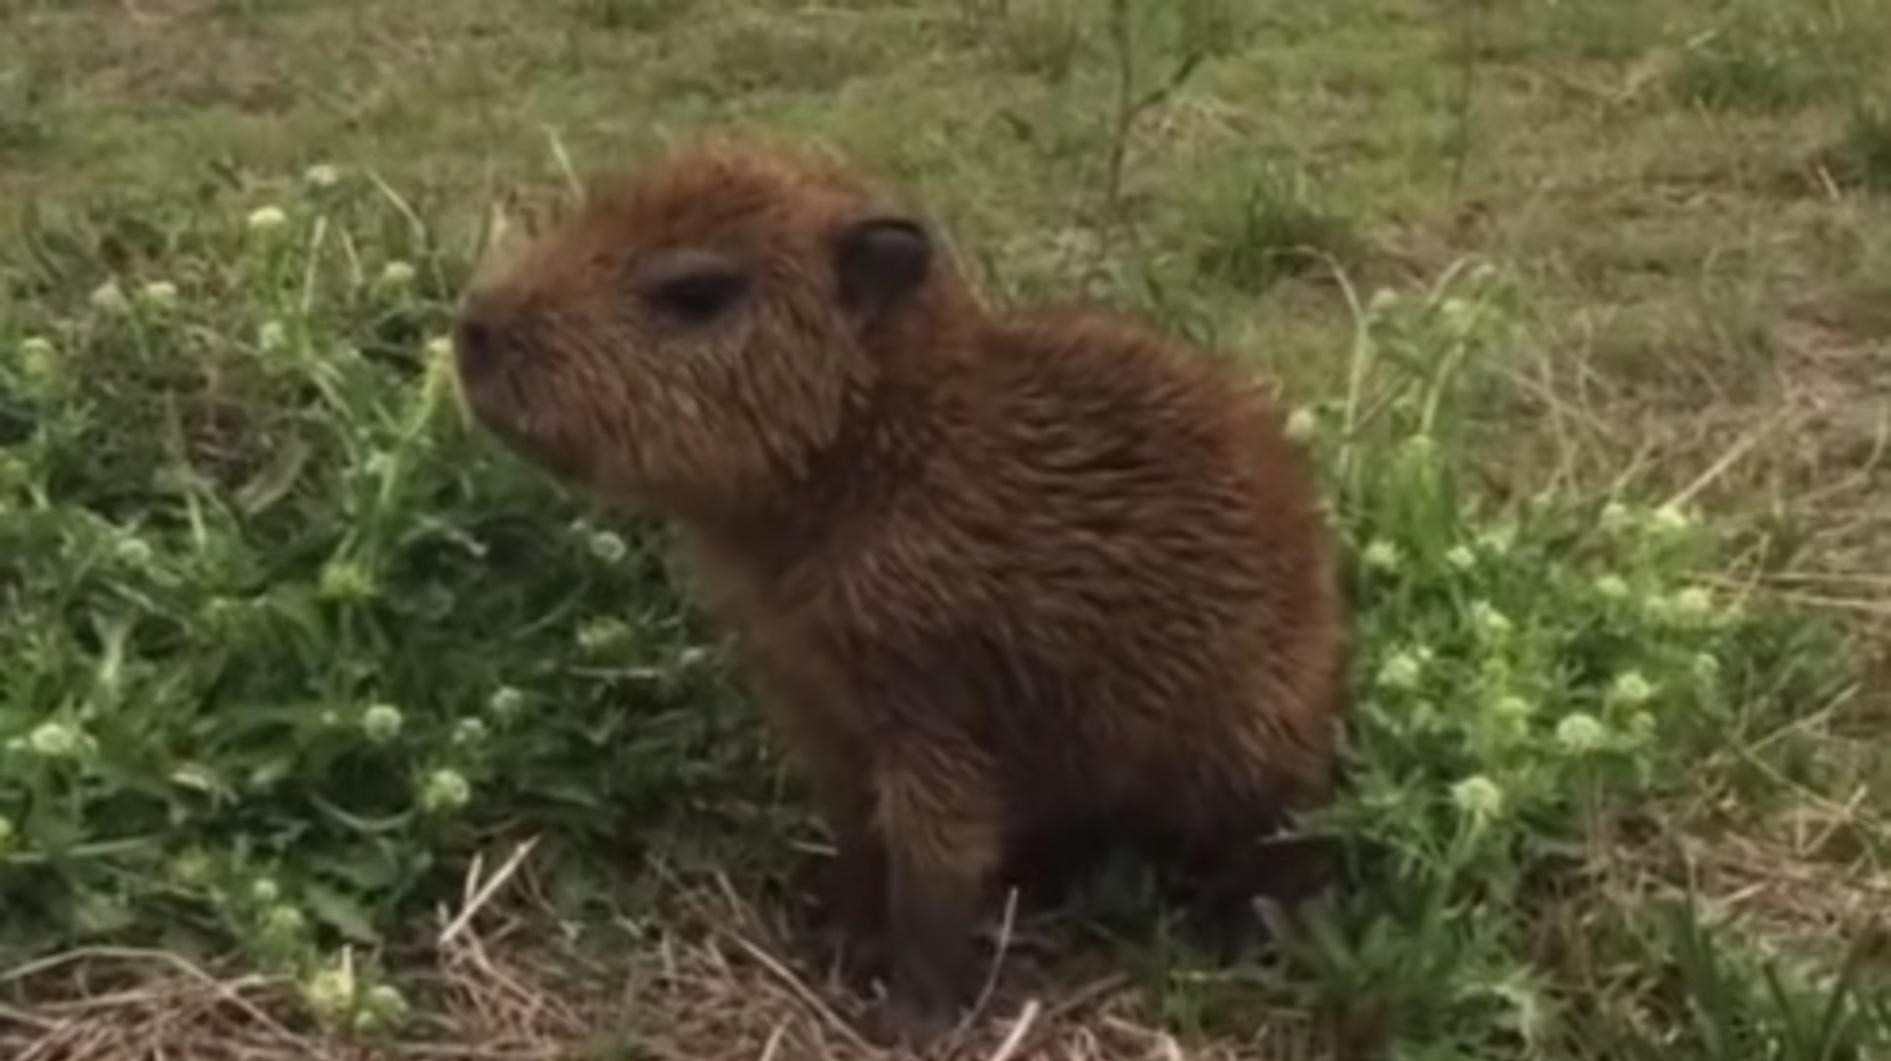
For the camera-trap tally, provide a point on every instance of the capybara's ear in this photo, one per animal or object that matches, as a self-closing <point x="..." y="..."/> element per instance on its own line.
<point x="881" y="259"/>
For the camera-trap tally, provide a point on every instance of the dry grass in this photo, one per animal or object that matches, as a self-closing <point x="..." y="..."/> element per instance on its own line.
<point x="709" y="980"/>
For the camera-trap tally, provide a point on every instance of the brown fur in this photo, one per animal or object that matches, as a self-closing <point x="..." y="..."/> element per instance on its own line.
<point x="996" y="577"/>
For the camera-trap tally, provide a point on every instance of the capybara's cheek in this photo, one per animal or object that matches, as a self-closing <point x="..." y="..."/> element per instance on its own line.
<point x="494" y="404"/>
<point x="524" y="414"/>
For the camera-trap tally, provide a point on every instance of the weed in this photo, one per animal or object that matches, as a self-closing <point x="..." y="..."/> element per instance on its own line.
<point x="1522" y="675"/>
<point x="639" y="16"/>
<point x="1769" y="57"/>
<point x="261" y="677"/>
<point x="1047" y="39"/>
<point x="1262" y="224"/>
<point x="23" y="123"/>
<point x="1864" y="155"/>
<point x="1742" y="73"/>
<point x="1603" y="29"/>
<point x="1214" y="28"/>
<point x="1132" y="98"/>
<point x="1735" y="1004"/>
<point x="756" y="52"/>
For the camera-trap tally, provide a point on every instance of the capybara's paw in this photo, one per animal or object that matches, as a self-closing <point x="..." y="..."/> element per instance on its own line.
<point x="915" y="1024"/>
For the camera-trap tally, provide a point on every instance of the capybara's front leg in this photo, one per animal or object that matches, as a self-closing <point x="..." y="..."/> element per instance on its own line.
<point x="939" y="814"/>
<point x="856" y="898"/>
<point x="852" y="891"/>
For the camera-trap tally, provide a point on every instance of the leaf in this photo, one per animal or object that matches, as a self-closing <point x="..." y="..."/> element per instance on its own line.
<point x="361" y="823"/>
<point x="370" y="867"/>
<point x="274" y="481"/>
<point x="340" y="912"/>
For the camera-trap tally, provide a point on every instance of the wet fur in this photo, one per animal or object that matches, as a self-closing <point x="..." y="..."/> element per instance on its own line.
<point x="997" y="579"/>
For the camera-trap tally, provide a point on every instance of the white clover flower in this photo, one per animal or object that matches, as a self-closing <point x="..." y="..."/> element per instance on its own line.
<point x="347" y="580"/>
<point x="1458" y="314"/>
<point x="133" y="550"/>
<point x="191" y="868"/>
<point x="1670" y="519"/>
<point x="1612" y="587"/>
<point x="1617" y="517"/>
<point x="397" y="274"/>
<point x="445" y="790"/>
<point x="439" y="348"/>
<point x="1479" y="797"/>
<point x="159" y="293"/>
<point x="331" y="992"/>
<point x="39" y="365"/>
<point x="469" y="731"/>
<point x="1641" y="726"/>
<point x="322" y="175"/>
<point x="265" y="890"/>
<point x="1381" y="555"/>
<point x="1512" y="706"/>
<point x="1461" y="557"/>
<point x="379" y="465"/>
<point x="1491" y="623"/>
<point x="108" y="297"/>
<point x="1303" y="424"/>
<point x="608" y="547"/>
<point x="283" y="923"/>
<point x="506" y="702"/>
<point x="1580" y="733"/>
<point x="224" y="611"/>
<point x="1631" y="689"/>
<point x="1690" y="606"/>
<point x="386" y="1004"/>
<point x="1401" y="671"/>
<point x="55" y="740"/>
<point x="272" y="336"/>
<point x="603" y="635"/>
<point x="382" y="723"/>
<point x="266" y="219"/>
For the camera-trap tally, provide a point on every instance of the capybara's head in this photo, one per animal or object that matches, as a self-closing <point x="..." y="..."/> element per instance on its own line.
<point x="691" y="335"/>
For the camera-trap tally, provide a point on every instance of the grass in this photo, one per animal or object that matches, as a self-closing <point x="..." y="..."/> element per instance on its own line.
<point x="324" y="720"/>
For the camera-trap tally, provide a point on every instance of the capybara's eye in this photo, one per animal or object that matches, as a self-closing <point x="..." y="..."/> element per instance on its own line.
<point x="692" y="287"/>
<point x="700" y="297"/>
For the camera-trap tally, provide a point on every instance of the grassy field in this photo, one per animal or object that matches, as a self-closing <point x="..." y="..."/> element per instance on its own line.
<point x="328" y="730"/>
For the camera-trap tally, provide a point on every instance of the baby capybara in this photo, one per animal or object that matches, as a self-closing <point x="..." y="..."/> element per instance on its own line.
<point x="997" y="577"/>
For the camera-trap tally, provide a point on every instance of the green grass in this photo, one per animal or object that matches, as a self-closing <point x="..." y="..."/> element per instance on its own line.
<point x="1579" y="305"/>
<point x="1864" y="155"/>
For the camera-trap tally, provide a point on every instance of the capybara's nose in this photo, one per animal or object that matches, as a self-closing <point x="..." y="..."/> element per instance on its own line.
<point x="477" y="339"/>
